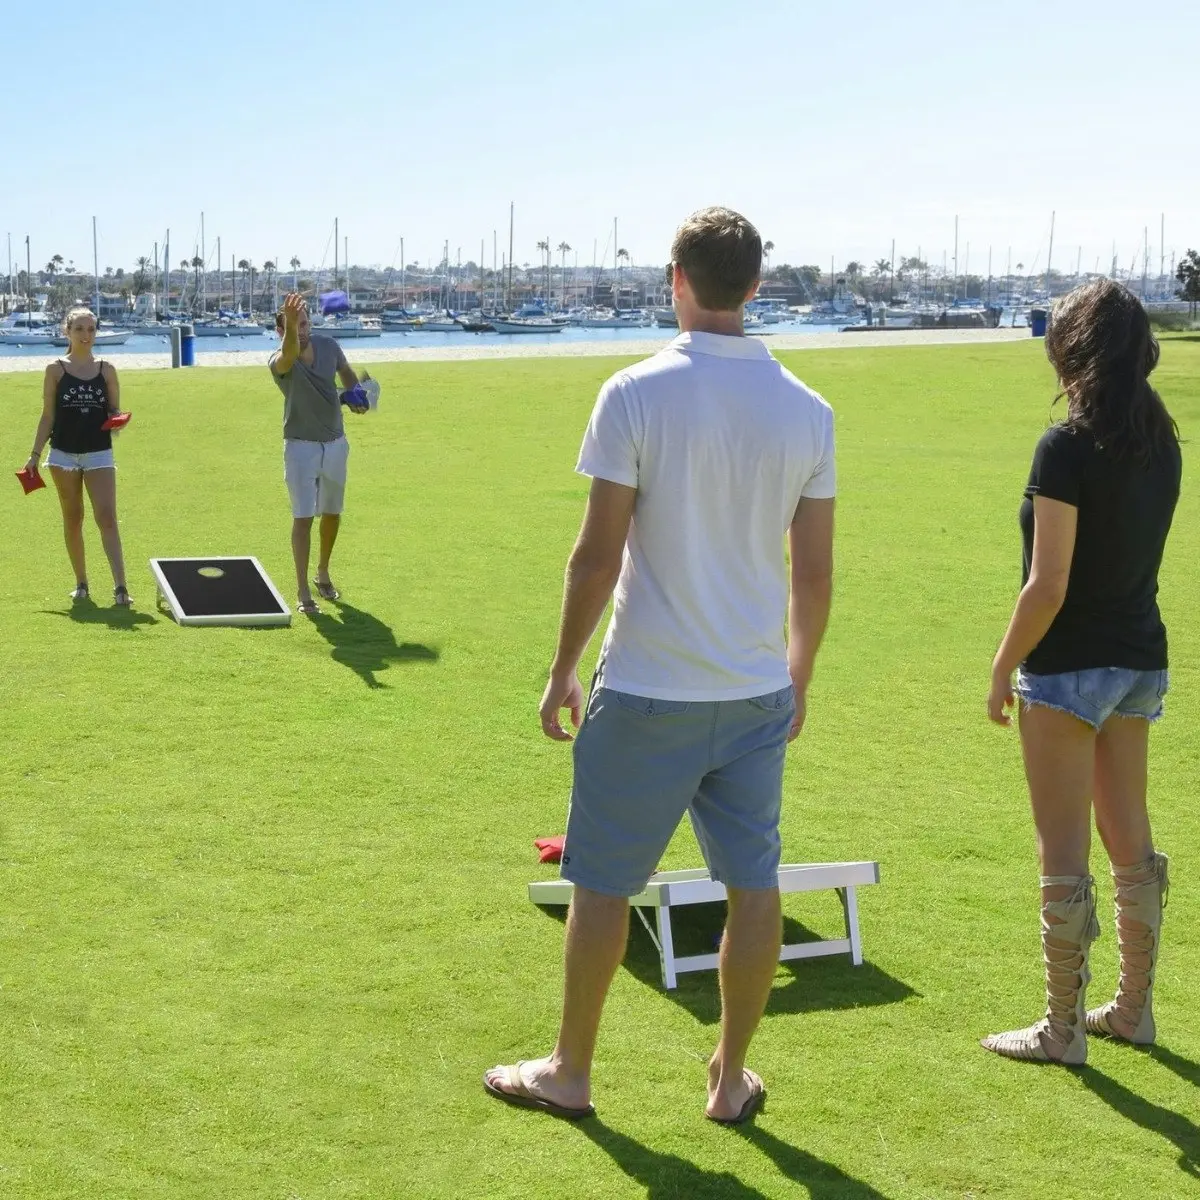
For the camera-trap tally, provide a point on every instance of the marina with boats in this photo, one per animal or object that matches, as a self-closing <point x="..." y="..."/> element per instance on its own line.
<point x="610" y="300"/>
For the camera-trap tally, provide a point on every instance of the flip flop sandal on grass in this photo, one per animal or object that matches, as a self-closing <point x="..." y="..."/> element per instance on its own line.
<point x="326" y="590"/>
<point x="517" y="1093"/>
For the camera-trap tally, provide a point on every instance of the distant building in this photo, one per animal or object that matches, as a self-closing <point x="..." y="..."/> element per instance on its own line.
<point x="112" y="307"/>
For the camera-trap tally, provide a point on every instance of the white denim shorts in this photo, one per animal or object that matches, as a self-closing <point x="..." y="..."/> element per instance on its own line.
<point x="90" y="460"/>
<point x="315" y="474"/>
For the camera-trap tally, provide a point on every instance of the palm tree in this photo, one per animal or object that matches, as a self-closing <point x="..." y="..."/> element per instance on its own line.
<point x="544" y="247"/>
<point x="54" y="266"/>
<point x="767" y="248"/>
<point x="243" y="265"/>
<point x="139" y="280"/>
<point x="880" y="270"/>
<point x="564" y="249"/>
<point x="196" y="263"/>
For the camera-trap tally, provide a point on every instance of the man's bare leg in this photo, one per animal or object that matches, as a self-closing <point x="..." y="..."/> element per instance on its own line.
<point x="330" y="523"/>
<point x="301" y="548"/>
<point x="597" y="930"/>
<point x="749" y="957"/>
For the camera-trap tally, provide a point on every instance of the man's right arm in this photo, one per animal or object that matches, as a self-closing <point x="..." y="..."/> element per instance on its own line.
<point x="289" y="351"/>
<point x="810" y="545"/>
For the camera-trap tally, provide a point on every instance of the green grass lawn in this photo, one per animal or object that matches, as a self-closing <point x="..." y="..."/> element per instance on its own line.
<point x="262" y="892"/>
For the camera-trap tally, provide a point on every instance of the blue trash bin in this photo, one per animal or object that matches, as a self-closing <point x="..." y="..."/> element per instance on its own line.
<point x="187" y="345"/>
<point x="1037" y="322"/>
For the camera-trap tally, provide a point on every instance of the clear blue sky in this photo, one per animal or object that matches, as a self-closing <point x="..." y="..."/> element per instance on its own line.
<point x="834" y="126"/>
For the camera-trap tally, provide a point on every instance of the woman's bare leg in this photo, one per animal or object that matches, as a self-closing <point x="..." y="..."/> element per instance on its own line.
<point x="102" y="491"/>
<point x="70" y="495"/>
<point x="1122" y="751"/>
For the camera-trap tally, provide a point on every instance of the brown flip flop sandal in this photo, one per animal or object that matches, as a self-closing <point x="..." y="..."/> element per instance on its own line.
<point x="754" y="1102"/>
<point x="310" y="608"/>
<point x="326" y="590"/>
<point x="521" y="1097"/>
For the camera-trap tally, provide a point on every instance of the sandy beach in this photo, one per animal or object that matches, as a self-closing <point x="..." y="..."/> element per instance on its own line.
<point x="364" y="352"/>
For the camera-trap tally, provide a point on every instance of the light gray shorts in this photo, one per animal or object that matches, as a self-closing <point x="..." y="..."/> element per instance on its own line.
<point x="640" y="764"/>
<point x="315" y="474"/>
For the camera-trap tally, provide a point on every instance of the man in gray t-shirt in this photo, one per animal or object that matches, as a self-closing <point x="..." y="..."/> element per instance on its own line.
<point x="307" y="370"/>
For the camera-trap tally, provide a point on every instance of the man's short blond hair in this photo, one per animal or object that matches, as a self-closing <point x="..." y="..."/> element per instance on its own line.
<point x="721" y="255"/>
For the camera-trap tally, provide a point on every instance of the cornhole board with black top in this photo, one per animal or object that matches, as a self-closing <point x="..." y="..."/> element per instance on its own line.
<point x="219" y="591"/>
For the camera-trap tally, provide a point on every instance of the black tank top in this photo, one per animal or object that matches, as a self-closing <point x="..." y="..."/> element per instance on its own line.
<point x="80" y="408"/>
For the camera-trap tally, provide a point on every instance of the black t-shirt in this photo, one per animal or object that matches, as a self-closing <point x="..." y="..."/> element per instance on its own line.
<point x="1110" y="617"/>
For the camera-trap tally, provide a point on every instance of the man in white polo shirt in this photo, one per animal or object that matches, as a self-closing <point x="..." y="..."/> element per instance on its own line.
<point x="703" y="460"/>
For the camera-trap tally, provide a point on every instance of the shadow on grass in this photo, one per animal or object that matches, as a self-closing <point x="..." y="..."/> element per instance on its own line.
<point x="1150" y="1116"/>
<point x="365" y="644"/>
<point x="88" y="612"/>
<point x="823" y="1180"/>
<point x="1187" y="1070"/>
<point x="667" y="1176"/>
<point x="824" y="984"/>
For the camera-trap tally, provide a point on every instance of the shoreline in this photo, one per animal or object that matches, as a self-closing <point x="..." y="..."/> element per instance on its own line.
<point x="632" y="349"/>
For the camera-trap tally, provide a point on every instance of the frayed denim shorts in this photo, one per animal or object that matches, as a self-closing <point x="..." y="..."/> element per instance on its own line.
<point x="1097" y="694"/>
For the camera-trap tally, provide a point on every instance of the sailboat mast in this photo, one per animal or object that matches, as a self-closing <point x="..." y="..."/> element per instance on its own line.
<point x="96" y="270"/>
<point x="617" y="271"/>
<point x="403" y="290"/>
<point x="167" y="275"/>
<point x="508" y="291"/>
<point x="28" y="285"/>
<point x="203" y="270"/>
<point x="1049" y="254"/>
<point x="481" y="279"/>
<point x="955" y="256"/>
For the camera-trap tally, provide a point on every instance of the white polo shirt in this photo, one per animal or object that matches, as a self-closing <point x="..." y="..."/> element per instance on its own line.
<point x="721" y="443"/>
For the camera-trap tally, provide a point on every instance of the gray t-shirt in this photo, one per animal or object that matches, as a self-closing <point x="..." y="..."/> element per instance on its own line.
<point x="312" y="409"/>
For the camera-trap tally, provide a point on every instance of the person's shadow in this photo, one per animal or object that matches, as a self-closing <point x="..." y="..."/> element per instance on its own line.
<point x="88" y="612"/>
<point x="667" y="1176"/>
<point x="365" y="644"/>
<point x="1154" y="1117"/>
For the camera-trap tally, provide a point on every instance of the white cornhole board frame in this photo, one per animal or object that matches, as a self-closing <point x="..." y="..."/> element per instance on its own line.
<point x="284" y="617"/>
<point x="672" y="889"/>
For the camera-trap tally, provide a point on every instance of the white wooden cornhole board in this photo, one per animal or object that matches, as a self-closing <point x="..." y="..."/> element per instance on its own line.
<point x="672" y="889"/>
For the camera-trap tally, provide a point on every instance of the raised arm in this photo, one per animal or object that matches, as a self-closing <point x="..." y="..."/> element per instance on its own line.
<point x="46" y="422"/>
<point x="289" y="351"/>
<point x="810" y="545"/>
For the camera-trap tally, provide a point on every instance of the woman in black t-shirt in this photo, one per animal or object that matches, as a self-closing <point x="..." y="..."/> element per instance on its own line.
<point x="1089" y="650"/>
<point x="78" y="395"/>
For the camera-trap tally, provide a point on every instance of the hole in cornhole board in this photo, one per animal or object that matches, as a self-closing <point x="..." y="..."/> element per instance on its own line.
<point x="219" y="591"/>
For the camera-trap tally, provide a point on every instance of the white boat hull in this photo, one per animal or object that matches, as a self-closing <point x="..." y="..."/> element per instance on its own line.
<point x="525" y="326"/>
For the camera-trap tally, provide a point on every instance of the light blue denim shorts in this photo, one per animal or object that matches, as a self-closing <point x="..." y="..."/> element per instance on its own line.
<point x="1097" y="694"/>
<point x="640" y="764"/>
<point x="89" y="460"/>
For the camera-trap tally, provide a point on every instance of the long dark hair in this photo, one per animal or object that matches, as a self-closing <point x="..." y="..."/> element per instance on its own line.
<point x="1100" y="343"/>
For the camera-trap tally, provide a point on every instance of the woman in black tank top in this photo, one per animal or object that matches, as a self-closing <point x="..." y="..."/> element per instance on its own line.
<point x="78" y="395"/>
